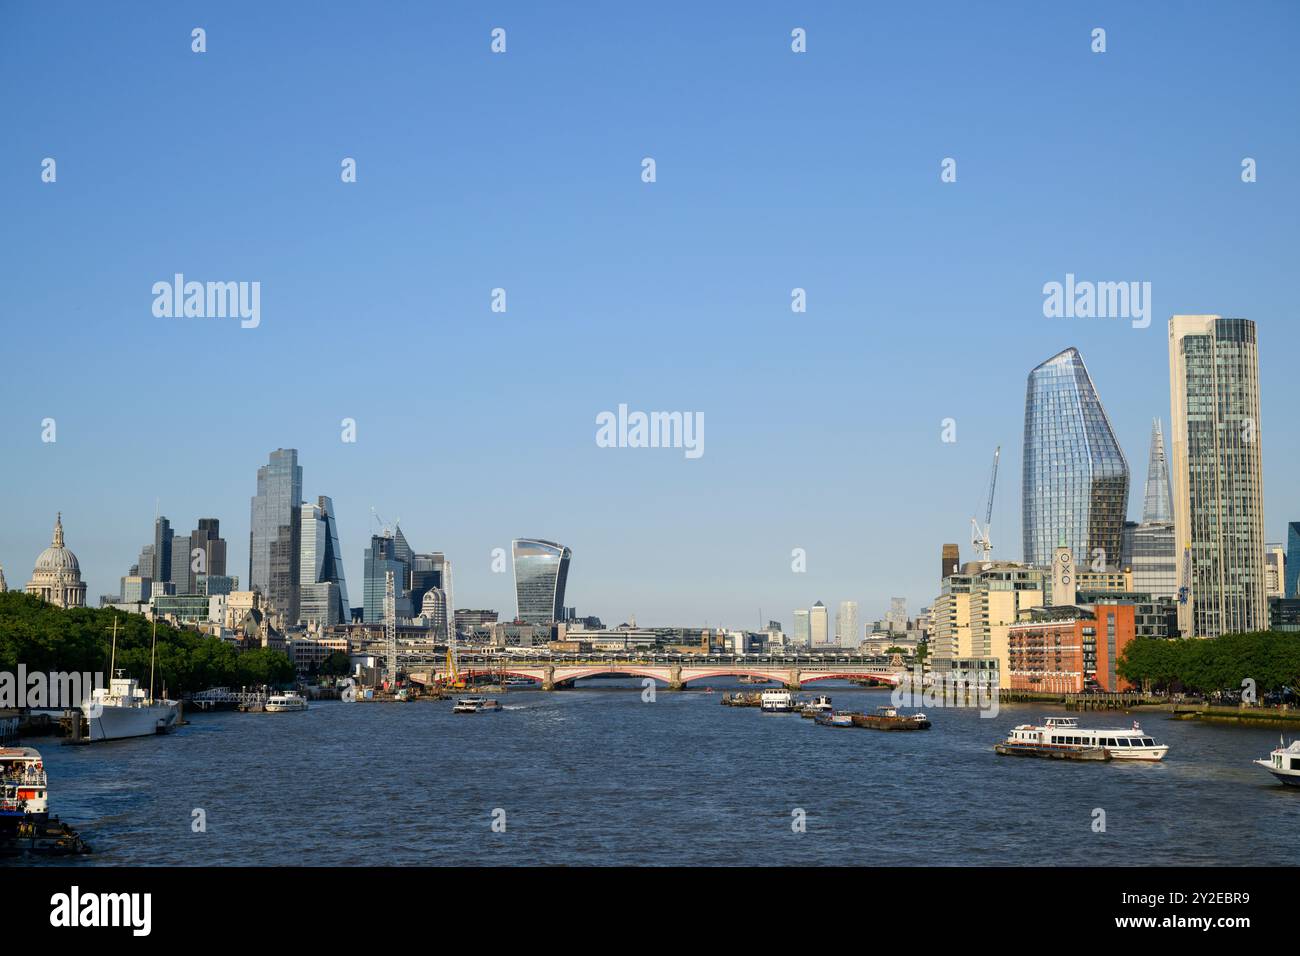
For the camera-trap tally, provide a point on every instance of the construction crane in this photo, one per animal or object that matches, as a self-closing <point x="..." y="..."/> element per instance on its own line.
<point x="390" y="629"/>
<point x="979" y="536"/>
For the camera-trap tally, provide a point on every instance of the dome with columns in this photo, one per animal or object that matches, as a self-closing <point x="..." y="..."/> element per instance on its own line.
<point x="57" y="575"/>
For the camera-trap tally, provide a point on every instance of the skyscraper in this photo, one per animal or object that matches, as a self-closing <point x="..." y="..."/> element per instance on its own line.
<point x="1217" y="475"/>
<point x="388" y="551"/>
<point x="1293" y="559"/>
<point x="802" y="631"/>
<point x="1149" y="547"/>
<point x="322" y="588"/>
<point x="846" y="624"/>
<point x="541" y="572"/>
<point x="1075" y="479"/>
<point x="161" y="567"/>
<point x="274" y="533"/>
<point x="817" y="625"/>
<point x="896" y="617"/>
<point x="1157" y="506"/>
<point x="426" y="575"/>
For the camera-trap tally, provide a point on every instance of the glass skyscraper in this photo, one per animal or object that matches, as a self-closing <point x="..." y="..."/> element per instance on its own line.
<point x="387" y="552"/>
<point x="1293" y="560"/>
<point x="541" y="571"/>
<point x="274" y="533"/>
<point x="1149" y="547"/>
<point x="1075" y="478"/>
<point x="1218" y="475"/>
<point x="323" y="590"/>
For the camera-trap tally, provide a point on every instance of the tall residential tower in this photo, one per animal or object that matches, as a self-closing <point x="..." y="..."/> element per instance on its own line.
<point x="1217" y="475"/>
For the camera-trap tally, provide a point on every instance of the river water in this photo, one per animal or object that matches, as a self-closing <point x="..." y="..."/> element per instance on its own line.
<point x="596" y="775"/>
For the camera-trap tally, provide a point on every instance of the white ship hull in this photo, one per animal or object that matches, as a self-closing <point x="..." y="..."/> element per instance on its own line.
<point x="117" y="723"/>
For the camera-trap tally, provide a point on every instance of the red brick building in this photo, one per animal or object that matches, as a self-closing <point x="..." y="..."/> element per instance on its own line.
<point x="1065" y="650"/>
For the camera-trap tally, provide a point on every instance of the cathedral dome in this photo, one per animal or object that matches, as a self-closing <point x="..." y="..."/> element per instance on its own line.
<point x="57" y="575"/>
<point x="56" y="557"/>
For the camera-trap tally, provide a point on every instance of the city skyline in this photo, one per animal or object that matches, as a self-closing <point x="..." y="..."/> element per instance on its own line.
<point x="1139" y="496"/>
<point x="671" y="295"/>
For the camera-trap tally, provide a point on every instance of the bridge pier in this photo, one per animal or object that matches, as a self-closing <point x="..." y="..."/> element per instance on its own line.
<point x="675" y="677"/>
<point x="793" y="682"/>
<point x="548" y="677"/>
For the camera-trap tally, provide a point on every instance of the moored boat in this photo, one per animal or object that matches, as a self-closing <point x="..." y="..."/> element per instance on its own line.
<point x="124" y="710"/>
<point x="1063" y="737"/>
<point x="889" y="718"/>
<point x="1284" y="763"/>
<point x="776" y="702"/>
<point x="283" y="703"/>
<point x="821" y="704"/>
<point x="833" y="719"/>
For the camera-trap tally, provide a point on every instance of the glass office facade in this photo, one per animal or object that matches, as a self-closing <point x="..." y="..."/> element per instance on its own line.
<point x="1075" y="478"/>
<point x="1293" y="560"/>
<point x="541" y="571"/>
<point x="323" y="590"/>
<point x="275" y="528"/>
<point x="387" y="552"/>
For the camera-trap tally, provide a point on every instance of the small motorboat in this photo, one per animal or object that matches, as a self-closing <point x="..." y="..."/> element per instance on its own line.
<point x="475" y="705"/>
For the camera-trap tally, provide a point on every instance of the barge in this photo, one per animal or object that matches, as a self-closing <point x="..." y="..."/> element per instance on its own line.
<point x="888" y="718"/>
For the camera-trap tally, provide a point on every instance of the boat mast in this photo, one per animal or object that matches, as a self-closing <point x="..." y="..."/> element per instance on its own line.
<point x="112" y="660"/>
<point x="153" y="651"/>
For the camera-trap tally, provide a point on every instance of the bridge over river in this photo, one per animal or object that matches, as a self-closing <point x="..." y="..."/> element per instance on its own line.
<point x="676" y="672"/>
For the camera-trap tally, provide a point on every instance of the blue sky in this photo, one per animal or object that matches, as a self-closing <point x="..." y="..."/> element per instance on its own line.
<point x="522" y="171"/>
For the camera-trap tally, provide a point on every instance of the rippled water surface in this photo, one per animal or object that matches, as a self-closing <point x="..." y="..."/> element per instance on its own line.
<point x="595" y="775"/>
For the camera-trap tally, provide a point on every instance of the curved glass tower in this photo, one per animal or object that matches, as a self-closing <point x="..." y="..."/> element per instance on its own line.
<point x="1075" y="488"/>
<point x="541" y="570"/>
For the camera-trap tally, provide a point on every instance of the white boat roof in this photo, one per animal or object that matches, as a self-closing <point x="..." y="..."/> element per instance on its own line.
<point x="19" y="753"/>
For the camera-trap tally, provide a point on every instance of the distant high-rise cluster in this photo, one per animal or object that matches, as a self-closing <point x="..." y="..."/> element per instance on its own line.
<point x="1196" y="565"/>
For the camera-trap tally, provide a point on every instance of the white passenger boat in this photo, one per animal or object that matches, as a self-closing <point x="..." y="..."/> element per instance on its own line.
<point x="23" y="788"/>
<point x="283" y="703"/>
<point x="776" y="701"/>
<point x="819" y="704"/>
<point x="475" y="705"/>
<point x="1064" y="735"/>
<point x="1284" y="763"/>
